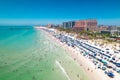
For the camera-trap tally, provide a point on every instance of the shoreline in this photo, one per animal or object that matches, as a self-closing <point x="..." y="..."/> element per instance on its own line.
<point x="89" y="68"/>
<point x="80" y="60"/>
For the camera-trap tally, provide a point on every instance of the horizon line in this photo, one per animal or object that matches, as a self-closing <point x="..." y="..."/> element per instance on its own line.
<point x="54" y="21"/>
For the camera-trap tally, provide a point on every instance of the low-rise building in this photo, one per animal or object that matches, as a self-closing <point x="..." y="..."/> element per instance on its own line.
<point x="113" y="30"/>
<point x="50" y="25"/>
<point x="102" y="28"/>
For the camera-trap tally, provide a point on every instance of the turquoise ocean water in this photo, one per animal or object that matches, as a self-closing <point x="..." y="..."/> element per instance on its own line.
<point x="29" y="54"/>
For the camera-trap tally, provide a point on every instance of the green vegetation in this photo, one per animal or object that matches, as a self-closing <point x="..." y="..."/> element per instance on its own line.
<point x="89" y="34"/>
<point x="66" y="30"/>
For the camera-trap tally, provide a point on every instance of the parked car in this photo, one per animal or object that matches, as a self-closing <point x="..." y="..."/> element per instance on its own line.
<point x="118" y="70"/>
<point x="118" y="64"/>
<point x="110" y="74"/>
<point x="104" y="67"/>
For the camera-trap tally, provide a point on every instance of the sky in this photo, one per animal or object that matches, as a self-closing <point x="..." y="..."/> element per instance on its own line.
<point x="36" y="12"/>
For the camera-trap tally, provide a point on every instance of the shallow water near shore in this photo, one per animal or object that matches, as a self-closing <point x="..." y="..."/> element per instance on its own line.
<point x="29" y="54"/>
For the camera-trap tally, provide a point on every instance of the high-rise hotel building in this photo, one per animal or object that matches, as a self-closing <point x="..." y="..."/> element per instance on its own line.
<point x="68" y="25"/>
<point x="87" y="25"/>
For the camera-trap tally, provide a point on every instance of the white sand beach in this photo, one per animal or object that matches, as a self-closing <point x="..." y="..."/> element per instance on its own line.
<point x="87" y="65"/>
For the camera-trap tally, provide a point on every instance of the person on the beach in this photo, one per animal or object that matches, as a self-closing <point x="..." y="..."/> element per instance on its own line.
<point x="88" y="69"/>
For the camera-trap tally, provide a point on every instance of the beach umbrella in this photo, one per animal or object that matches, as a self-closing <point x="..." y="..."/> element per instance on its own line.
<point x="109" y="65"/>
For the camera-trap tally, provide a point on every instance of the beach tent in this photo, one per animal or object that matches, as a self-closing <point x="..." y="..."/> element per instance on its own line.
<point x="104" y="62"/>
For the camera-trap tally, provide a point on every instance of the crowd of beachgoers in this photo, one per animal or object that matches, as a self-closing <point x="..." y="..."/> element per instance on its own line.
<point x="103" y="57"/>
